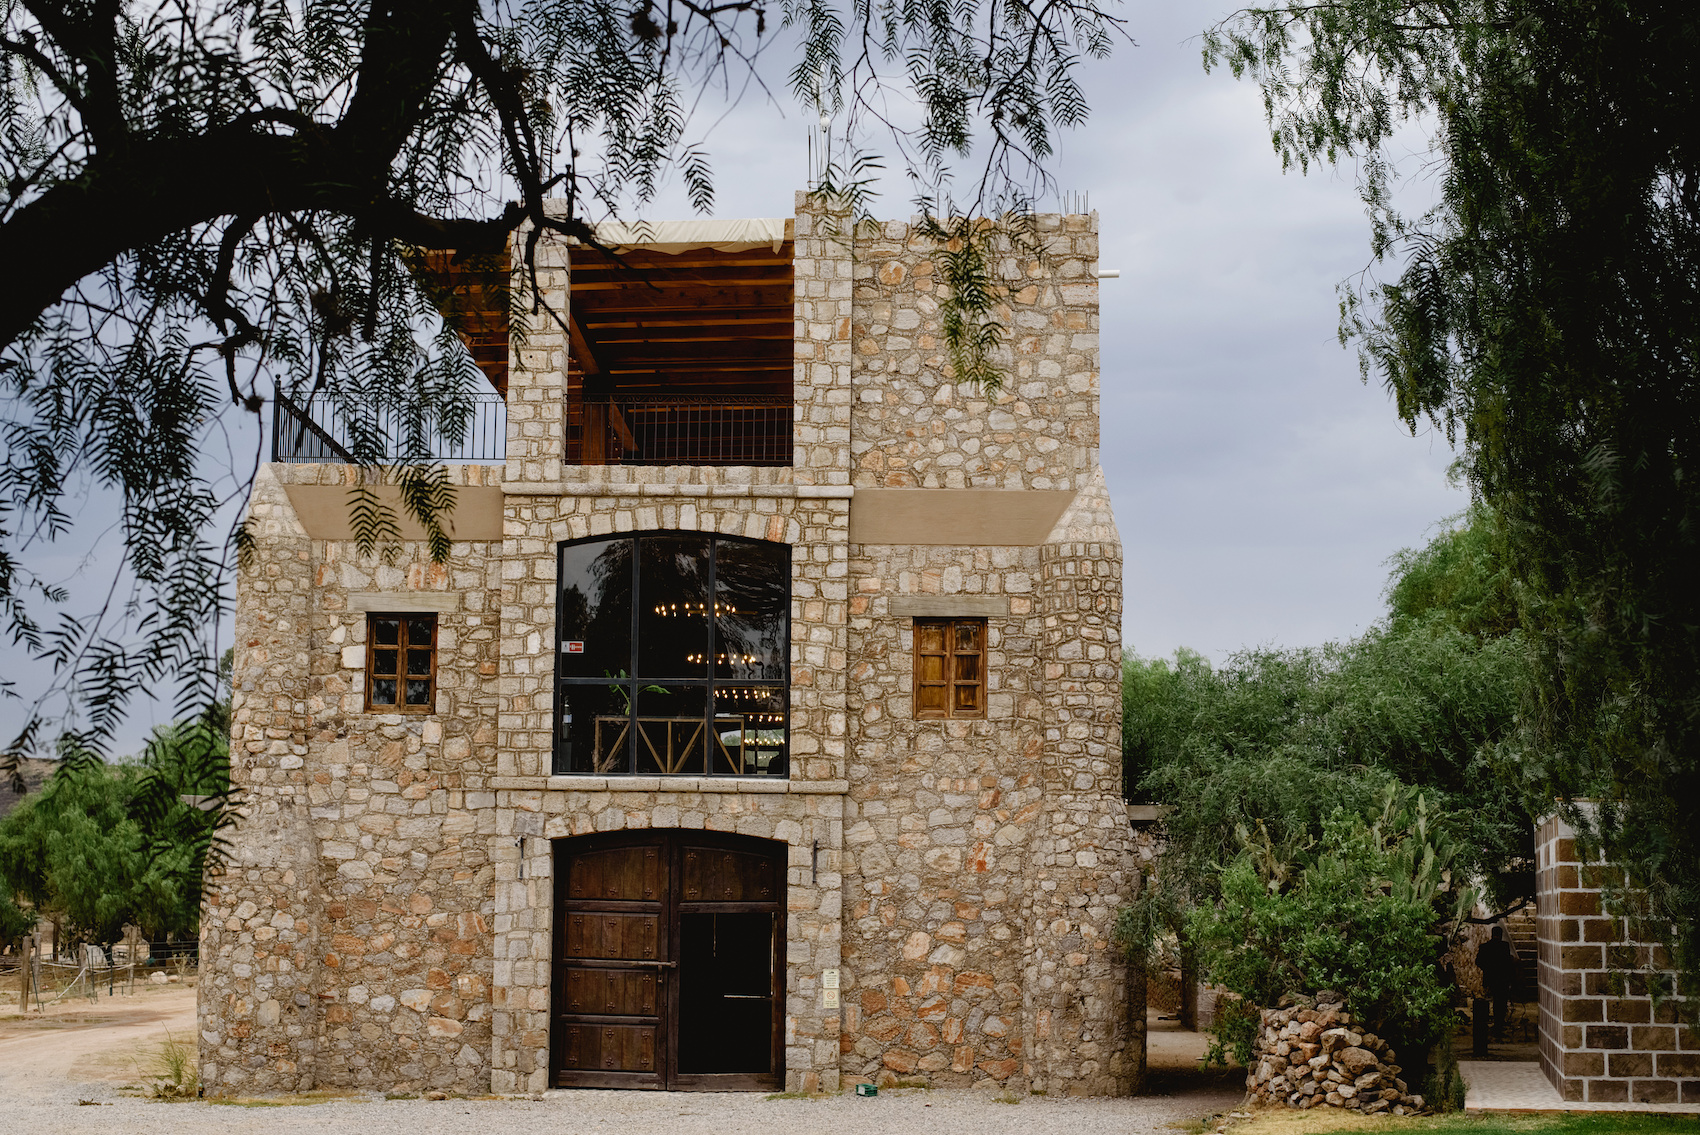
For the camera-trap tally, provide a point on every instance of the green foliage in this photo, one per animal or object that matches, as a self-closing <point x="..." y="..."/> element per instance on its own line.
<point x="1279" y="739"/>
<point x="1547" y="312"/>
<point x="1459" y="578"/>
<point x="101" y="846"/>
<point x="1356" y="912"/>
<point x="15" y="921"/>
<point x="1323" y="799"/>
<point x="215" y="197"/>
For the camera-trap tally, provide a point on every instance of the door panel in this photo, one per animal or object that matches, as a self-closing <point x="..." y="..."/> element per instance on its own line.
<point x="611" y="992"/>
<point x="610" y="1048"/>
<point x="610" y="995"/>
<point x="606" y="934"/>
<point x="714" y="874"/>
<point x="669" y="961"/>
<point x="620" y="873"/>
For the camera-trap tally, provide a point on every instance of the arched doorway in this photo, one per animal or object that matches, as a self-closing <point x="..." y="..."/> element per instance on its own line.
<point x="669" y="967"/>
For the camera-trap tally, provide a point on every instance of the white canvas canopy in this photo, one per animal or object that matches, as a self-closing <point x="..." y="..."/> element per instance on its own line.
<point x="674" y="237"/>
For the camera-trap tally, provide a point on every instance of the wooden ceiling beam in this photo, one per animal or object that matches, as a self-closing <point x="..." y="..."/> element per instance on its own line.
<point x="634" y="262"/>
<point x="601" y="321"/>
<point x="588" y="360"/>
<point x="691" y="282"/>
<point x="711" y="333"/>
<point x="651" y="299"/>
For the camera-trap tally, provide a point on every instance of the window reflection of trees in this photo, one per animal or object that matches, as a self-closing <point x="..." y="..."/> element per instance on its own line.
<point x="701" y="686"/>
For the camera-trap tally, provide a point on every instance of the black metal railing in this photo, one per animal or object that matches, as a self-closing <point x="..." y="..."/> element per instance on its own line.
<point x="662" y="429"/>
<point x="312" y="431"/>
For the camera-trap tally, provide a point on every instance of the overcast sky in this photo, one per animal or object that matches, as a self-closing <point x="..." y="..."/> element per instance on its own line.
<point x="1258" y="484"/>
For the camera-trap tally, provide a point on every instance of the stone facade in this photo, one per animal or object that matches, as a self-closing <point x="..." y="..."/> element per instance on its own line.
<point x="387" y="919"/>
<point x="1604" y="1036"/>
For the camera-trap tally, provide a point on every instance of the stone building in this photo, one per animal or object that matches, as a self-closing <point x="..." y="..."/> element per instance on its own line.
<point x="761" y="728"/>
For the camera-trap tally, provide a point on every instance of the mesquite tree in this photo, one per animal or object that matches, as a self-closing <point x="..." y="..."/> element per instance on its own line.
<point x="1546" y="313"/>
<point x="199" y="198"/>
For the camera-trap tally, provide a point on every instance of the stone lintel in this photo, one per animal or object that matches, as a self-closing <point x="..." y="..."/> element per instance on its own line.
<point x="402" y="602"/>
<point x="950" y="606"/>
<point x="669" y="784"/>
<point x="617" y="489"/>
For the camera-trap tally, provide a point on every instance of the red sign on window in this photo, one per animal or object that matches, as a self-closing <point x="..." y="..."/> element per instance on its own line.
<point x="572" y="646"/>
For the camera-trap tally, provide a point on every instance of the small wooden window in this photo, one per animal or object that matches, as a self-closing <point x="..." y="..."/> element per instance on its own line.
<point x="950" y="667"/>
<point x="401" y="663"/>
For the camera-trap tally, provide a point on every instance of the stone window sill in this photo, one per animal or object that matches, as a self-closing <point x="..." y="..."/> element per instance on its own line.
<point x="752" y="785"/>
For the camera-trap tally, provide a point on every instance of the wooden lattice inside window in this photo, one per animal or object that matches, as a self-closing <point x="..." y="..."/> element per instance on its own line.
<point x="401" y="663"/>
<point x="950" y="667"/>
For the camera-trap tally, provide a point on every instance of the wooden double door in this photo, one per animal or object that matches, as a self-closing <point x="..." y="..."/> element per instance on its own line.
<point x="669" y="967"/>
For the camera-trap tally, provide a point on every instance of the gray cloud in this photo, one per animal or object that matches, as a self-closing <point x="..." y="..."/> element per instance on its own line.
<point x="1259" y="485"/>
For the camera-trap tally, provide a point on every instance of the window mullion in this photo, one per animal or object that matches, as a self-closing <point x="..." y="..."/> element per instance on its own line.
<point x="713" y="659"/>
<point x="632" y="676"/>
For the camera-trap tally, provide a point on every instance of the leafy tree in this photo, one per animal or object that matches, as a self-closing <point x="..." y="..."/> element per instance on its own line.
<point x="199" y="200"/>
<point x="99" y="846"/>
<point x="1305" y="785"/>
<point x="1356" y="912"/>
<point x="1546" y="313"/>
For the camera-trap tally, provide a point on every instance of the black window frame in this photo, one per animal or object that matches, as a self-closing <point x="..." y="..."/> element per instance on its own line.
<point x="633" y="680"/>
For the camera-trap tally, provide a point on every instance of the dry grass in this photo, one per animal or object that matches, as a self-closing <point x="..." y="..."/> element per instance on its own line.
<point x="1283" y="1121"/>
<point x="292" y="1099"/>
<point x="172" y="1069"/>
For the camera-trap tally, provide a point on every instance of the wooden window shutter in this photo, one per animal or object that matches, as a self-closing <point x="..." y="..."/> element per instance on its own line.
<point x="401" y="663"/>
<point x="950" y="668"/>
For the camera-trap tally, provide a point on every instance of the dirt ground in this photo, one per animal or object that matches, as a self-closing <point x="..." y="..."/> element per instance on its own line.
<point x="74" y="1070"/>
<point x="108" y="1040"/>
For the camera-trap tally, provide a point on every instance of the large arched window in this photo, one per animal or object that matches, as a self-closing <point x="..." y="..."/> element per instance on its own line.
<point x="673" y="656"/>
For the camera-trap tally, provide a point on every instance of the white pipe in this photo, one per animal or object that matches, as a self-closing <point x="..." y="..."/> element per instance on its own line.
<point x="1109" y="273"/>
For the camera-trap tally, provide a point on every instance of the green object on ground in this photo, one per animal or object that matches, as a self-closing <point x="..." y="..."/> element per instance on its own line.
<point x="867" y="1090"/>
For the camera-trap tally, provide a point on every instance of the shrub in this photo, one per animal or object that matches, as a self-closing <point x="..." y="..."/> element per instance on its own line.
<point x="1358" y="912"/>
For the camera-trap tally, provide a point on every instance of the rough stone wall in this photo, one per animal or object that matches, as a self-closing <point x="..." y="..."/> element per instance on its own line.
<point x="821" y="384"/>
<point x="537" y="373"/>
<point x="393" y="904"/>
<point x="1604" y="1038"/>
<point x="258" y="1009"/>
<point x="541" y="810"/>
<point x="914" y="427"/>
<point x="757" y="503"/>
<point x="349" y="946"/>
<point x="1084" y="1040"/>
<point x="940" y="816"/>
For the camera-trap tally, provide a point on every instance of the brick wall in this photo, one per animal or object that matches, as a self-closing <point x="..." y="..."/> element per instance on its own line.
<point x="1604" y="1037"/>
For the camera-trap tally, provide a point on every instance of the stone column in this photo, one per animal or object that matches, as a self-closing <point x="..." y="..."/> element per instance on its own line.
<point x="823" y="263"/>
<point x="258" y="997"/>
<point x="1081" y="1039"/>
<point x="537" y="369"/>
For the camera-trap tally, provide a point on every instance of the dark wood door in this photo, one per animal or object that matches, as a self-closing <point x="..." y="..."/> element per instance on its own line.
<point x="669" y="962"/>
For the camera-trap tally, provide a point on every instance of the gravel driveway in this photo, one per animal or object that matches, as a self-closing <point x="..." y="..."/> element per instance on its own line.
<point x="912" y="1112"/>
<point x="86" y="1052"/>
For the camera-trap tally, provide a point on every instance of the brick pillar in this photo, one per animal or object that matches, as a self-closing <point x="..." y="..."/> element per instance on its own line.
<point x="1081" y="1039"/>
<point x="1603" y="1036"/>
<point x="259" y="963"/>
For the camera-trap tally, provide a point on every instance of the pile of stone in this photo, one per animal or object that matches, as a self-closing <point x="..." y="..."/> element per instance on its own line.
<point x="1311" y="1055"/>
